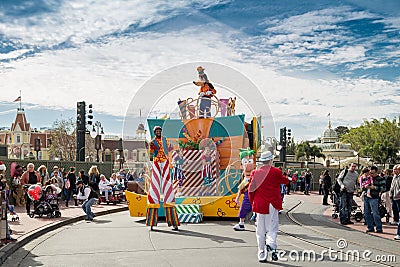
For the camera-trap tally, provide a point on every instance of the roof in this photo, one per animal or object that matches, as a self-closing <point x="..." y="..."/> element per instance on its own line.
<point x="21" y="121"/>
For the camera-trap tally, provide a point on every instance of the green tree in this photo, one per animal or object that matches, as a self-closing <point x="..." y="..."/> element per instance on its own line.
<point x="377" y="139"/>
<point x="291" y="147"/>
<point x="342" y="130"/>
<point x="316" y="152"/>
<point x="303" y="150"/>
<point x="63" y="140"/>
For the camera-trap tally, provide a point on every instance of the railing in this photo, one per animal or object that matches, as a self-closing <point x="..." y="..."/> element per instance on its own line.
<point x="190" y="108"/>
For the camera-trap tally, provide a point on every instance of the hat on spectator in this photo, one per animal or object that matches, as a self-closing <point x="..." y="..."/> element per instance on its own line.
<point x="266" y="156"/>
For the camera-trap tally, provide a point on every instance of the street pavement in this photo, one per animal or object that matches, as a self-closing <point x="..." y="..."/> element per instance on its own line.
<point x="120" y="240"/>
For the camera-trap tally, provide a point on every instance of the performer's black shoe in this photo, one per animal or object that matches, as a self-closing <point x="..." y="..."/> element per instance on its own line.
<point x="175" y="228"/>
<point x="274" y="255"/>
<point x="151" y="228"/>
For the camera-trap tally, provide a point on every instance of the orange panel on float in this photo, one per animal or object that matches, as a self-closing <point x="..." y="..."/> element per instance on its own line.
<point x="193" y="126"/>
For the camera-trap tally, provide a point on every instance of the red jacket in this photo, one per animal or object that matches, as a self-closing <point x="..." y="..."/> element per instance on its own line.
<point x="264" y="189"/>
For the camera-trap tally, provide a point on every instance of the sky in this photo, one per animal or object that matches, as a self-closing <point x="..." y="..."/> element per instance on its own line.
<point x="308" y="58"/>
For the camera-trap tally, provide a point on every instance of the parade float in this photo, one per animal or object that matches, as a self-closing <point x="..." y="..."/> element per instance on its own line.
<point x="203" y="141"/>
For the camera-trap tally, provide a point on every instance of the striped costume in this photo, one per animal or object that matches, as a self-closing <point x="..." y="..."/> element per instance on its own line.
<point x="160" y="176"/>
<point x="206" y="172"/>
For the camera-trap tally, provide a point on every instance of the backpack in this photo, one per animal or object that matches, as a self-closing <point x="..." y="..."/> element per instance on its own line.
<point x="67" y="184"/>
<point x="336" y="187"/>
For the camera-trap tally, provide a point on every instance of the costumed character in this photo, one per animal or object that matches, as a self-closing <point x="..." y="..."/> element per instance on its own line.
<point x="206" y="172"/>
<point x="231" y="106"/>
<point x="206" y="92"/>
<point x="160" y="175"/>
<point x="246" y="157"/>
<point x="17" y="189"/>
<point x="264" y="195"/>
<point x="202" y="76"/>
<point x="177" y="173"/>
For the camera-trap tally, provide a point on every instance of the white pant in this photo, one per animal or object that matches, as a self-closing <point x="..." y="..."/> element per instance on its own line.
<point x="388" y="202"/>
<point x="267" y="229"/>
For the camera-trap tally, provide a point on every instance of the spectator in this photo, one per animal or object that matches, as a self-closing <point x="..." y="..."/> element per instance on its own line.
<point x="89" y="196"/>
<point x="94" y="178"/>
<point x="58" y="179"/>
<point x="321" y="183"/>
<point x="302" y="182"/>
<point x="389" y="204"/>
<point x="30" y="177"/>
<point x="371" y="203"/>
<point x="104" y="186"/>
<point x="44" y="175"/>
<point x="295" y="181"/>
<point x="69" y="185"/>
<point x="4" y="187"/>
<point x="395" y="194"/>
<point x="326" y="185"/>
<point x="347" y="181"/>
<point x="289" y="185"/>
<point x="84" y="178"/>
<point x="308" y="178"/>
<point x="56" y="169"/>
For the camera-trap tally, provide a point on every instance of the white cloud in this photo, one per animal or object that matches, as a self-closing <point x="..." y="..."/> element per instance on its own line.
<point x="107" y="71"/>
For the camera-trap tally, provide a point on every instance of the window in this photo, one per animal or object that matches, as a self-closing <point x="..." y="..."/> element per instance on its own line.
<point x="40" y="155"/>
<point x="18" y="139"/>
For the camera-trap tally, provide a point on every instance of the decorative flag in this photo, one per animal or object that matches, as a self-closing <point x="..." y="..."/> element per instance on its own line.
<point x="329" y="114"/>
<point x="18" y="99"/>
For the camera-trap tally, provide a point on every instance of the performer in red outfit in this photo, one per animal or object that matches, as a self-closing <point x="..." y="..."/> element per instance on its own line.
<point x="160" y="175"/>
<point x="265" y="197"/>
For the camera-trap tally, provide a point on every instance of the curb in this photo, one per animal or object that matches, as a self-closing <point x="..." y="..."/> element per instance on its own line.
<point x="7" y="250"/>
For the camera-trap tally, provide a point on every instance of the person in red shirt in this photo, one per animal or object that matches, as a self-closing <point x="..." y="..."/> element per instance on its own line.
<point x="265" y="197"/>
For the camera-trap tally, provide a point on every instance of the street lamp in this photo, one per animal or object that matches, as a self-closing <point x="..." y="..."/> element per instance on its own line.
<point x="121" y="155"/>
<point x="79" y="152"/>
<point x="98" y="129"/>
<point x="358" y="158"/>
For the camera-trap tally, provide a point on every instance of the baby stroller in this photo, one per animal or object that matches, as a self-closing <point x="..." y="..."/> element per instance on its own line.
<point x="12" y="214"/>
<point x="356" y="211"/>
<point x="383" y="211"/>
<point x="45" y="202"/>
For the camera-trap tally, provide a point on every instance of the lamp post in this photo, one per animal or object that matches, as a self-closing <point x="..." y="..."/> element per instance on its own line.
<point x="98" y="129"/>
<point x="79" y="152"/>
<point x="358" y="158"/>
<point x="121" y="155"/>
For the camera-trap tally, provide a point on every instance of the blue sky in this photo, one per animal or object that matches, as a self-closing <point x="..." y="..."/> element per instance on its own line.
<point x="309" y="58"/>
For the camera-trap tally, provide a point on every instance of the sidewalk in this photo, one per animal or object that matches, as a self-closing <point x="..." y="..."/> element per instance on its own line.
<point x="26" y="229"/>
<point x="389" y="231"/>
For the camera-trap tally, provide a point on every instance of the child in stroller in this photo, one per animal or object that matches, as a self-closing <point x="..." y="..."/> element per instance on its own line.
<point x="45" y="201"/>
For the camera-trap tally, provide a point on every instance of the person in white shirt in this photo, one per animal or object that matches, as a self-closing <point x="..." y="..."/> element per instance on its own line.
<point x="104" y="186"/>
<point x="89" y="196"/>
<point x="114" y="182"/>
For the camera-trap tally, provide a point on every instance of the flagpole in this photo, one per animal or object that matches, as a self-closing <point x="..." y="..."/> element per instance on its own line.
<point x="20" y="104"/>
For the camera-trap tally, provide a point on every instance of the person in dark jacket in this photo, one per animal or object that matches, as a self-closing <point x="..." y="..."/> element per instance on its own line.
<point x="327" y="185"/>
<point x="371" y="204"/>
<point x="69" y="185"/>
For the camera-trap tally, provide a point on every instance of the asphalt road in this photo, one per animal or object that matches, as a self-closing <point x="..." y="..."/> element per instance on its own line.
<point x="119" y="240"/>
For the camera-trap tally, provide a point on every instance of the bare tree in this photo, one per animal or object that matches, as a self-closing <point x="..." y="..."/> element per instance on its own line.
<point x="63" y="144"/>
